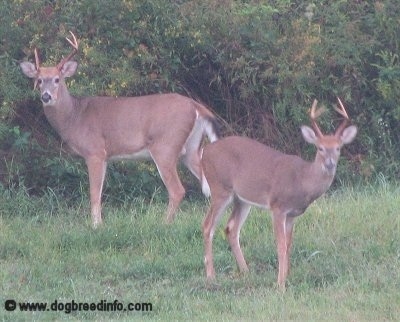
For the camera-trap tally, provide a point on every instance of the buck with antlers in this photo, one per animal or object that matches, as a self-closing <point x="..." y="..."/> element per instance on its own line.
<point x="245" y="172"/>
<point x="164" y="127"/>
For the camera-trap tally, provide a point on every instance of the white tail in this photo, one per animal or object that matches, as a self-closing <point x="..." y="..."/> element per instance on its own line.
<point x="245" y="172"/>
<point x="164" y="127"/>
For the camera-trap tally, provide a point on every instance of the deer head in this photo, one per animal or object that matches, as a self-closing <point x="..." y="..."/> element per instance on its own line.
<point x="49" y="79"/>
<point x="328" y="146"/>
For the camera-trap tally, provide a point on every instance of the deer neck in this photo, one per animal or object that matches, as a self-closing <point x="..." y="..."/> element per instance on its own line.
<point x="63" y="114"/>
<point x="317" y="180"/>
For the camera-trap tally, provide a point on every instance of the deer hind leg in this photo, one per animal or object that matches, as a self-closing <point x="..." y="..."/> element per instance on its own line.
<point x="192" y="161"/>
<point x="283" y="229"/>
<point x="232" y="231"/>
<point x="97" y="171"/>
<point x="218" y="205"/>
<point x="191" y="157"/>
<point x="203" y="127"/>
<point x="167" y="168"/>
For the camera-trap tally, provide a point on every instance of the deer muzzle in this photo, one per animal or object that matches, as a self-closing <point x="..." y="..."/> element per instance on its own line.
<point x="46" y="97"/>
<point x="330" y="164"/>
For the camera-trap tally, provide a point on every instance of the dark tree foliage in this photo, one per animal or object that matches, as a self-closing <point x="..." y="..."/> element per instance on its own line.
<point x="257" y="64"/>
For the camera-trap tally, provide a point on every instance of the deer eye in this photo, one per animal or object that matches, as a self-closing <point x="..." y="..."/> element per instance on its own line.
<point x="56" y="80"/>
<point x="40" y="81"/>
<point x="320" y="149"/>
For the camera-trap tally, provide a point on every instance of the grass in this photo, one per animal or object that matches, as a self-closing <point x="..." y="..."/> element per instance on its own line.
<point x="345" y="261"/>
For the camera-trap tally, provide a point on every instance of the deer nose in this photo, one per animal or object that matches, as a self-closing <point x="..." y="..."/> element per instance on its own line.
<point x="330" y="164"/>
<point x="46" y="97"/>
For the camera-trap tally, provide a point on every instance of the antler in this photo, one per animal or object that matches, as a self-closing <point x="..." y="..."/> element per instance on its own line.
<point x="314" y="114"/>
<point x="37" y="61"/>
<point x="341" y="111"/>
<point x="74" y="44"/>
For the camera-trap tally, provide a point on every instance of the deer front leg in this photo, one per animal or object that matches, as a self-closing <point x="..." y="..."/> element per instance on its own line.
<point x="96" y="170"/>
<point x="289" y="224"/>
<point x="283" y="228"/>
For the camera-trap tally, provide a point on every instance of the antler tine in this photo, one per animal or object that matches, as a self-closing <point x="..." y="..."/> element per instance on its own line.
<point x="74" y="43"/>
<point x="341" y="111"/>
<point x="37" y="61"/>
<point x="314" y="114"/>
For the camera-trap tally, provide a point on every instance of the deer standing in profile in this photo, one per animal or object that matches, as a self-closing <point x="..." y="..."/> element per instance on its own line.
<point x="247" y="173"/>
<point x="163" y="127"/>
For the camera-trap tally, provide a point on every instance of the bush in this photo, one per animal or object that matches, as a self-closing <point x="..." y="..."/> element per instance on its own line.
<point x="258" y="65"/>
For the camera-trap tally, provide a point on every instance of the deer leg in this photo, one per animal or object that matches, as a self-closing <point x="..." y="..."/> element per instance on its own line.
<point x="289" y="224"/>
<point x="175" y="189"/>
<point x="192" y="162"/>
<point x="232" y="231"/>
<point x="97" y="171"/>
<point x="283" y="232"/>
<point x="169" y="175"/>
<point x="192" y="145"/>
<point x="217" y="208"/>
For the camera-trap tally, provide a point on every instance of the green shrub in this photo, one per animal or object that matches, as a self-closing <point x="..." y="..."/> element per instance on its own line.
<point x="259" y="66"/>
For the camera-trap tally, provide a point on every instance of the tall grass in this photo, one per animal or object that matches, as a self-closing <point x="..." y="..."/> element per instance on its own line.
<point x="345" y="261"/>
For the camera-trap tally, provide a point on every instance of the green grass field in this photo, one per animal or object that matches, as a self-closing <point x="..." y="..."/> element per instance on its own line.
<point x="345" y="261"/>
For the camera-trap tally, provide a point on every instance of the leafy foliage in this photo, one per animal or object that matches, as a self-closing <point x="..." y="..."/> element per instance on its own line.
<point x="258" y="65"/>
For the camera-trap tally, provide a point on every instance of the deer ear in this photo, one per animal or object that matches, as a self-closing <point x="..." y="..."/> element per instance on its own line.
<point x="69" y="68"/>
<point x="309" y="134"/>
<point x="29" y="69"/>
<point x="348" y="134"/>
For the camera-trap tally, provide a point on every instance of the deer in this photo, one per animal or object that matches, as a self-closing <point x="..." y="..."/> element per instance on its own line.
<point x="166" y="128"/>
<point x="247" y="173"/>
